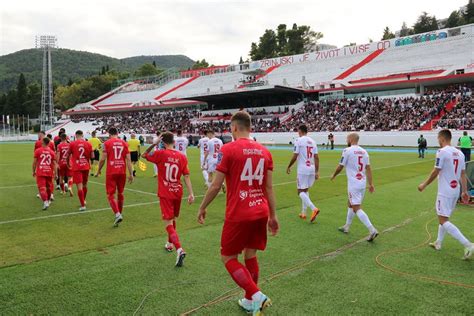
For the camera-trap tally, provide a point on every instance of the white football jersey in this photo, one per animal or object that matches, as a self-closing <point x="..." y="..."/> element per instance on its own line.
<point x="355" y="159"/>
<point x="215" y="145"/>
<point x="451" y="162"/>
<point x="180" y="144"/>
<point x="203" y="145"/>
<point x="306" y="148"/>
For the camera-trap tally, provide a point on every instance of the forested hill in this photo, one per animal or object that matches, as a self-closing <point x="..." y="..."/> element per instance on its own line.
<point x="74" y="65"/>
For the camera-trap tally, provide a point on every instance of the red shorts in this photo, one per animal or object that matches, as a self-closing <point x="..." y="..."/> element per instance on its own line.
<point x="115" y="182"/>
<point x="80" y="176"/>
<point x="237" y="236"/>
<point x="169" y="208"/>
<point x="64" y="171"/>
<point x="45" y="182"/>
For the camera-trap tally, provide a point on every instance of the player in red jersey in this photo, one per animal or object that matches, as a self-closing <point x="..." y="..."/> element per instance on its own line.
<point x="171" y="166"/>
<point x="44" y="166"/>
<point x="247" y="168"/>
<point x="80" y="152"/>
<point x="118" y="160"/>
<point x="39" y="142"/>
<point x="64" y="171"/>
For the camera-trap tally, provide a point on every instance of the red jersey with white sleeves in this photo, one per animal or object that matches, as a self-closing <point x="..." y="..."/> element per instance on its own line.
<point x="116" y="150"/>
<point x="450" y="162"/>
<point x="39" y="144"/>
<point x="245" y="164"/>
<point x="63" y="153"/>
<point x="306" y="148"/>
<point x="171" y="166"/>
<point x="81" y="151"/>
<point x="44" y="162"/>
<point x="355" y="159"/>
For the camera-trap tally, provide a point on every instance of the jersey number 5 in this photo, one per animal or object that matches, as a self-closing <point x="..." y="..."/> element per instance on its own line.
<point x="360" y="162"/>
<point x="248" y="174"/>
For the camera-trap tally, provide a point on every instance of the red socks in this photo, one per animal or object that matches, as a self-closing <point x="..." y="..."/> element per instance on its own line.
<point x="120" y="202"/>
<point x="62" y="186"/>
<point x="174" y="226"/>
<point x="173" y="236"/>
<point x="80" y="195"/>
<point x="252" y="265"/>
<point x="113" y="203"/>
<point x="85" y="192"/>
<point x="242" y="277"/>
<point x="43" y="194"/>
<point x="69" y="182"/>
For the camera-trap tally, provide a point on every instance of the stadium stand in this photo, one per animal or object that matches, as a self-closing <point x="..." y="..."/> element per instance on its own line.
<point x="386" y="85"/>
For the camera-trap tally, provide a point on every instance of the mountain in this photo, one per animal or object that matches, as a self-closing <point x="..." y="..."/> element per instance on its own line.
<point x="72" y="64"/>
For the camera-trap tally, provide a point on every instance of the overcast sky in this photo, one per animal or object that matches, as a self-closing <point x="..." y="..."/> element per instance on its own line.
<point x="220" y="31"/>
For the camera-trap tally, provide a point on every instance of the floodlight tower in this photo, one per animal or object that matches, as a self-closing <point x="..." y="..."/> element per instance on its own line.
<point x="46" y="43"/>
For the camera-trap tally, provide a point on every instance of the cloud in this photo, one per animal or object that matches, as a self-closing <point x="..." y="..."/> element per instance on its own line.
<point x="220" y="31"/>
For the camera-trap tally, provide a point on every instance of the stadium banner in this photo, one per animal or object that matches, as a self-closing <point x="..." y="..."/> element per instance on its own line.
<point x="349" y="50"/>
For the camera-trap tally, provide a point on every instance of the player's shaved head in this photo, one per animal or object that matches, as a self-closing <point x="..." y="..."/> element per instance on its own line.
<point x="445" y="134"/>
<point x="242" y="121"/>
<point x="167" y="138"/>
<point x="113" y="131"/>
<point x="133" y="135"/>
<point x="352" y="139"/>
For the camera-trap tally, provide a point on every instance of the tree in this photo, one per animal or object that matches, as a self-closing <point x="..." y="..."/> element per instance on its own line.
<point x="102" y="72"/>
<point x="107" y="68"/>
<point x="387" y="34"/>
<point x="405" y="30"/>
<point x="147" y="70"/>
<point x="282" y="40"/>
<point x="200" y="64"/>
<point x="425" y="23"/>
<point x="454" y="19"/>
<point x="468" y="15"/>
<point x="21" y="95"/>
<point x="154" y="64"/>
<point x="241" y="60"/>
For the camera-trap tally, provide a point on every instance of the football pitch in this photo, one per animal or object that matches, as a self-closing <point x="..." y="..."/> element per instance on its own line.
<point x="62" y="261"/>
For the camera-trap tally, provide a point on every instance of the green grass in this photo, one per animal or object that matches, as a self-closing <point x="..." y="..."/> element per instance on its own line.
<point x="76" y="263"/>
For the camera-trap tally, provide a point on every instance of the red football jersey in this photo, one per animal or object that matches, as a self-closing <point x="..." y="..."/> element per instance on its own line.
<point x="81" y="154"/>
<point x="116" y="150"/>
<point x="171" y="166"/>
<point x="63" y="153"/>
<point x="245" y="164"/>
<point x="39" y="144"/>
<point x="44" y="162"/>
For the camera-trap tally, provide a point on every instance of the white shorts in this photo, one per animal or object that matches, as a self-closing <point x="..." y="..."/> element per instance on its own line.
<point x="304" y="181"/>
<point x="445" y="205"/>
<point x="211" y="165"/>
<point x="356" y="196"/>
<point x="202" y="160"/>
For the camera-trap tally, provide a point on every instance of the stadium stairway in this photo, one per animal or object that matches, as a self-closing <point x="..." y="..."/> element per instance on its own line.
<point x="162" y="95"/>
<point x="359" y="65"/>
<point x="428" y="126"/>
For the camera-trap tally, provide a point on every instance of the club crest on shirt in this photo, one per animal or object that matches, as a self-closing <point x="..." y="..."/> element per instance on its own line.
<point x="453" y="184"/>
<point x="359" y="176"/>
<point x="243" y="194"/>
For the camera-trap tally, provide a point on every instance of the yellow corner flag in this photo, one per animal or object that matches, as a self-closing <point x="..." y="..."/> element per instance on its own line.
<point x="142" y="165"/>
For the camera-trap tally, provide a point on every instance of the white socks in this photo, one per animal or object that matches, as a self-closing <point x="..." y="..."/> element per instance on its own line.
<point x="456" y="233"/>
<point x="306" y="200"/>
<point x="441" y="233"/>
<point x="365" y="220"/>
<point x="350" y="216"/>
<point x="205" y="175"/>
<point x="303" y="207"/>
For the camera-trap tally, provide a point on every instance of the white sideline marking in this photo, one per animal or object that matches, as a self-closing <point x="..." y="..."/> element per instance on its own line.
<point x="127" y="189"/>
<point x="154" y="202"/>
<point x="18" y="186"/>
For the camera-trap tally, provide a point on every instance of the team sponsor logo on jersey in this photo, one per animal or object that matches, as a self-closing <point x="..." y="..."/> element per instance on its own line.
<point x="308" y="163"/>
<point x="255" y="202"/>
<point x="453" y="184"/>
<point x="243" y="194"/>
<point x="359" y="176"/>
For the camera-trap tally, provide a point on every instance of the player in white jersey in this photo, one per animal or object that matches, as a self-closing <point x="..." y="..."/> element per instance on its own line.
<point x="203" y="149"/>
<point x="181" y="143"/>
<point x="450" y="169"/>
<point x="305" y="153"/>
<point x="358" y="172"/>
<point x="210" y="158"/>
